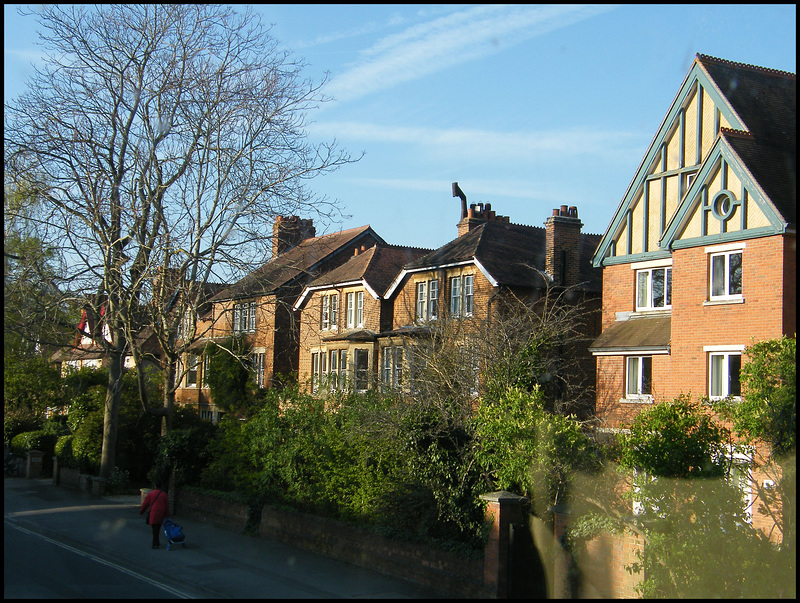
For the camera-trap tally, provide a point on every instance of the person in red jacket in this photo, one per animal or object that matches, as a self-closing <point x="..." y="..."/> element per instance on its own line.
<point x="158" y="504"/>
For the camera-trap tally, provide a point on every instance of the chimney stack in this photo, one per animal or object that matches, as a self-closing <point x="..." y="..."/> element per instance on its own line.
<point x="288" y="232"/>
<point x="563" y="245"/>
<point x="476" y="214"/>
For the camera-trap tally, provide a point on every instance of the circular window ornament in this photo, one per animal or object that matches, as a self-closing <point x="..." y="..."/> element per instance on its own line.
<point x="724" y="204"/>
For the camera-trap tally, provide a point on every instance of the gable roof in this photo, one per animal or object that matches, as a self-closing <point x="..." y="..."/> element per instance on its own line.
<point x="756" y="101"/>
<point x="374" y="268"/>
<point x="507" y="254"/>
<point x="766" y="101"/>
<point x="298" y="262"/>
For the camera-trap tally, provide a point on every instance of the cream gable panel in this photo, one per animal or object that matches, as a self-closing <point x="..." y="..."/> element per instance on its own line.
<point x="724" y="204"/>
<point x="657" y="193"/>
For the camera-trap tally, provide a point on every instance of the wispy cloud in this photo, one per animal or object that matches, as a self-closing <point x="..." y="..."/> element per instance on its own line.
<point x="462" y="36"/>
<point x="467" y="143"/>
<point x="25" y="55"/>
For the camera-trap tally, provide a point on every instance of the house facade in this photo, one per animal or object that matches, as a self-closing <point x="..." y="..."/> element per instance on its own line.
<point x="699" y="260"/>
<point x="344" y="315"/>
<point x="259" y="308"/>
<point x="465" y="282"/>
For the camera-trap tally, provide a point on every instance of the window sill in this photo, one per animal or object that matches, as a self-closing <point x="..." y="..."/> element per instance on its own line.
<point x="642" y="400"/>
<point x="724" y="301"/>
<point x="651" y="311"/>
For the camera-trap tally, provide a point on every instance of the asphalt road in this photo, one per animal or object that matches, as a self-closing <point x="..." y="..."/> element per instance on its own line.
<point x="61" y="543"/>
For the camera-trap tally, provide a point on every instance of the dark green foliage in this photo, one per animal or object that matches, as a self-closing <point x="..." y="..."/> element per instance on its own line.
<point x="675" y="439"/>
<point x="527" y="450"/>
<point x="183" y="452"/>
<point x="30" y="385"/>
<point x="366" y="458"/>
<point x="40" y="440"/>
<point x="228" y="376"/>
<point x="768" y="410"/>
<point x="699" y="542"/>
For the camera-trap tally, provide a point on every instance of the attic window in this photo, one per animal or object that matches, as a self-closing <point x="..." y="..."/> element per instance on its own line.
<point x="723" y="205"/>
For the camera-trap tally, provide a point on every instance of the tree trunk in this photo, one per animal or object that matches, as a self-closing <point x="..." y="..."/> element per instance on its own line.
<point x="111" y="415"/>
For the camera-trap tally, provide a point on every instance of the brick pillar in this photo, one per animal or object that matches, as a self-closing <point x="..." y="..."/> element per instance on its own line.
<point x="502" y="510"/>
<point x="33" y="465"/>
<point x="561" y="557"/>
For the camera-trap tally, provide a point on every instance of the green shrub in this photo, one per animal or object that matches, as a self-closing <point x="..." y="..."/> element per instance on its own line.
<point x="119" y="482"/>
<point x="63" y="452"/>
<point x="39" y="440"/>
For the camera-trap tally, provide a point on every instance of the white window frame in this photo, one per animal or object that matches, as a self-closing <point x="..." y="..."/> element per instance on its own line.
<point x="244" y="317"/>
<point x="334" y="311"/>
<point x="318" y="369"/>
<point x="192" y="371"/>
<point x="433" y="299"/>
<point x="739" y="475"/>
<point x="725" y="252"/>
<point x="421" y="300"/>
<point x="455" y="296"/>
<point x="342" y="379"/>
<point x="351" y="316"/>
<point x="640" y="362"/>
<point x="333" y="369"/>
<point x="720" y="356"/>
<point x="325" y="313"/>
<point x="359" y="309"/>
<point x="392" y="366"/>
<point x="647" y="275"/>
<point x="461" y="295"/>
<point x="469" y="293"/>
<point x="258" y="368"/>
<point x="427" y="300"/>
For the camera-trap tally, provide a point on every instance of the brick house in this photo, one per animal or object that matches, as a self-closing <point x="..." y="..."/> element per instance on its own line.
<point x="491" y="259"/>
<point x="259" y="307"/>
<point x="699" y="260"/>
<point x="344" y="312"/>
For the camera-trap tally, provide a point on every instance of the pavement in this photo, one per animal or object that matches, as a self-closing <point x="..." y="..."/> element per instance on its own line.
<point x="215" y="563"/>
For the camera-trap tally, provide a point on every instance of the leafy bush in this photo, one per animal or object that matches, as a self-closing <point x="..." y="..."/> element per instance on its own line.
<point x="63" y="452"/>
<point x="119" y="482"/>
<point x="184" y="451"/>
<point x="529" y="451"/>
<point x="41" y="440"/>
<point x="367" y="458"/>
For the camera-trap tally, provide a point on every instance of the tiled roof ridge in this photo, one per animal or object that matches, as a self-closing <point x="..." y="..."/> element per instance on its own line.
<point x="726" y="62"/>
<point x="333" y="234"/>
<point x="515" y="224"/>
<point x="736" y="133"/>
<point x="408" y="247"/>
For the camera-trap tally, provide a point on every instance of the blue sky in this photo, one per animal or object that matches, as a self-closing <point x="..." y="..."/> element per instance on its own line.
<point x="527" y="107"/>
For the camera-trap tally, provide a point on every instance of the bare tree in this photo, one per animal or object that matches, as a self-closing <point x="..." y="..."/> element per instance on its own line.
<point x="165" y="139"/>
<point x="523" y="339"/>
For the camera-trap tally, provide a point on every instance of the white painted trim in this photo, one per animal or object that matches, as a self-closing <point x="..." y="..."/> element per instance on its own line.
<point x="651" y="264"/>
<point x="726" y="247"/>
<point x="632" y="352"/>
<point x="724" y="348"/>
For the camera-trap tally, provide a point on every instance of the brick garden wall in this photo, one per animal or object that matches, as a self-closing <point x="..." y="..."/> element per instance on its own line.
<point x="436" y="568"/>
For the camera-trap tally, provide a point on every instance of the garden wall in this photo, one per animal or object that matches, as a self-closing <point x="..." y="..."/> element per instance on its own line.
<point x="439" y="569"/>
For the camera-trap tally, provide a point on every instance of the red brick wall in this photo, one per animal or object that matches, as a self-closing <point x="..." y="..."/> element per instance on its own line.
<point x="768" y="311"/>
